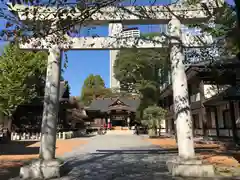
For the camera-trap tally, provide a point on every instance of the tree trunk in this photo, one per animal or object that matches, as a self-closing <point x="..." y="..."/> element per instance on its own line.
<point x="51" y="105"/>
<point x="233" y="119"/>
<point x="152" y="133"/>
<point x="180" y="93"/>
<point x="1" y="120"/>
<point x="203" y="110"/>
<point x="9" y="126"/>
<point x="175" y="131"/>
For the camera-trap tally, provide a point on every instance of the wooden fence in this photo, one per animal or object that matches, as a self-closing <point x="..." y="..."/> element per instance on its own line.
<point x="37" y="136"/>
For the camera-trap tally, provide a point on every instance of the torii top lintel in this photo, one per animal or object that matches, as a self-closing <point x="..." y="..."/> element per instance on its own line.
<point x="131" y="14"/>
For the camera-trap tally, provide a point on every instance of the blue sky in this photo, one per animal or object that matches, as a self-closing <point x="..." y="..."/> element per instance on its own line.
<point x="82" y="63"/>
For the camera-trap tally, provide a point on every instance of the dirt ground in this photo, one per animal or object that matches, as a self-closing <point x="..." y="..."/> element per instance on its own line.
<point x="15" y="154"/>
<point x="216" y="154"/>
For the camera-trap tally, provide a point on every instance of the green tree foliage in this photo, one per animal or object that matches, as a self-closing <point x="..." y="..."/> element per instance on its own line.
<point x="223" y="28"/>
<point x="237" y="3"/>
<point x="237" y="8"/>
<point x="21" y="77"/>
<point x="93" y="87"/>
<point x="118" y="92"/>
<point x="138" y="71"/>
<point x="66" y="94"/>
<point x="93" y="81"/>
<point x="153" y="116"/>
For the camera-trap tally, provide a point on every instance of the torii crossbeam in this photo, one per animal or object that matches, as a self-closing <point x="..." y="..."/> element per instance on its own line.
<point x="126" y="15"/>
<point x="113" y="43"/>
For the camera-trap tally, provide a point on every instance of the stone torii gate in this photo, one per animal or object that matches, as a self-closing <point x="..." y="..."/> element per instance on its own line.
<point x="173" y="15"/>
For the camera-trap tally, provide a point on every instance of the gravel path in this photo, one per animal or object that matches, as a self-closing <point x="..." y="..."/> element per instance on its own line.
<point x="117" y="157"/>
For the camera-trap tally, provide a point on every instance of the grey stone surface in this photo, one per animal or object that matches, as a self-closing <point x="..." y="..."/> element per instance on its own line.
<point x="41" y="170"/>
<point x="120" y="157"/>
<point x="190" y="168"/>
<point x="117" y="157"/>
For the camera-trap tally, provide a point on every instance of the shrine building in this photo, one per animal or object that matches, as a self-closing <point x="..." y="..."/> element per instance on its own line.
<point x="118" y="112"/>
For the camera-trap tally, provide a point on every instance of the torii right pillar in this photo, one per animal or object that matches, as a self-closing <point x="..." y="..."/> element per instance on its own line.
<point x="186" y="163"/>
<point x="180" y="93"/>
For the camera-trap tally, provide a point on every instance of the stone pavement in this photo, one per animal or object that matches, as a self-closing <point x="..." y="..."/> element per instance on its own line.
<point x="119" y="157"/>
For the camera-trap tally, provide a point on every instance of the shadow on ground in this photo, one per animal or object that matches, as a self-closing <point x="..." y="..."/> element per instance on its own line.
<point x="86" y="136"/>
<point x="119" y="164"/>
<point x="10" y="169"/>
<point x="14" y="154"/>
<point x="18" y="148"/>
<point x="153" y="151"/>
<point x="124" y="164"/>
<point x="142" y="163"/>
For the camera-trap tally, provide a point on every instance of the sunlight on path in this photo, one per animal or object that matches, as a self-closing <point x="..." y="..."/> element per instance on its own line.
<point x="213" y="156"/>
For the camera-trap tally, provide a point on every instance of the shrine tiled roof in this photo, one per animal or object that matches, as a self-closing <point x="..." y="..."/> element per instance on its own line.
<point x="231" y="93"/>
<point x="106" y="104"/>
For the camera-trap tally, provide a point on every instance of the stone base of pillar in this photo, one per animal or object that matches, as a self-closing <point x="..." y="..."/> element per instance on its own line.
<point x="43" y="169"/>
<point x="190" y="168"/>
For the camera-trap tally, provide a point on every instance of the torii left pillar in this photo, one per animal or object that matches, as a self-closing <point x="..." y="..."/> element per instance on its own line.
<point x="51" y="105"/>
<point x="47" y="166"/>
